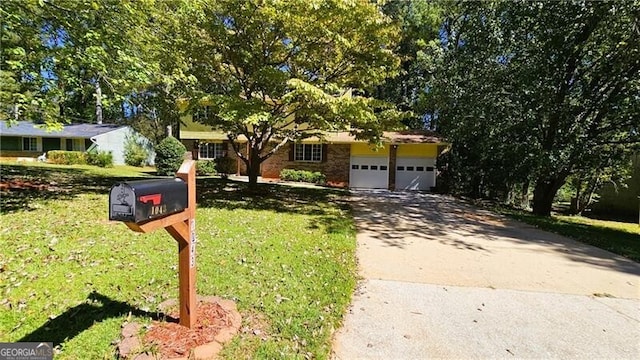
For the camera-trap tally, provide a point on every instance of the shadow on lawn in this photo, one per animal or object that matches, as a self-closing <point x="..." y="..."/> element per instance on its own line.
<point x="46" y="183"/>
<point x="22" y="186"/>
<point x="231" y="195"/>
<point x="74" y="321"/>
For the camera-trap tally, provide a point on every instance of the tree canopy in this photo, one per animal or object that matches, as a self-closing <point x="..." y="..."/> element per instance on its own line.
<point x="62" y="58"/>
<point x="535" y="92"/>
<point x="273" y="71"/>
<point x="529" y="94"/>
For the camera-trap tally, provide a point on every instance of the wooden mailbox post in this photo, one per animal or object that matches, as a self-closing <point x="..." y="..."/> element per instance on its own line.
<point x="148" y="212"/>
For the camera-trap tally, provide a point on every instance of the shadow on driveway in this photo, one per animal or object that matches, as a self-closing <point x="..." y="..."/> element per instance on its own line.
<point x="398" y="218"/>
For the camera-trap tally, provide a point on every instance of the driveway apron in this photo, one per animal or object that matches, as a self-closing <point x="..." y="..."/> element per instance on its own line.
<point x="441" y="279"/>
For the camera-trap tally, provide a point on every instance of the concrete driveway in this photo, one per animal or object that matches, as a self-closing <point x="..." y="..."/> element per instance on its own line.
<point x="445" y="280"/>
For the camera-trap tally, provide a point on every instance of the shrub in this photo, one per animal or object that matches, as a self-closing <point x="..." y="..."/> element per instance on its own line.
<point x="66" y="157"/>
<point x="225" y="166"/>
<point x="169" y="156"/>
<point x="302" y="176"/>
<point x="134" y="153"/>
<point x="100" y="158"/>
<point x="205" y="167"/>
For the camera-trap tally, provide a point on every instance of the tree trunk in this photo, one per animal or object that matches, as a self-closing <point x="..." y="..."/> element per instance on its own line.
<point x="253" y="167"/>
<point x="587" y="195"/>
<point x="543" y="194"/>
<point x="524" y="195"/>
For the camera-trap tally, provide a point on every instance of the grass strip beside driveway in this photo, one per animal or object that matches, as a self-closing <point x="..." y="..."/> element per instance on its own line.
<point x="616" y="237"/>
<point x="67" y="275"/>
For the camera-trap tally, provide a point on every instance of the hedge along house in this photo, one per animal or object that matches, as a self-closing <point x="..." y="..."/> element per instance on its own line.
<point x="407" y="160"/>
<point x="28" y="140"/>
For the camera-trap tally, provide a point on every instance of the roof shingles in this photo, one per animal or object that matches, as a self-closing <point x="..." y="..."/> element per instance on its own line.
<point x="85" y="131"/>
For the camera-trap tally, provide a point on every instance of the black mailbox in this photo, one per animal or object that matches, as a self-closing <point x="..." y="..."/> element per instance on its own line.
<point x="144" y="200"/>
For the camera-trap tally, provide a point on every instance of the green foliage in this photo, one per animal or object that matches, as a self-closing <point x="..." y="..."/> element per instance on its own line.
<point x="69" y="48"/>
<point x="66" y="157"/>
<point x="169" y="156"/>
<point x="526" y="96"/>
<point x="420" y="22"/>
<point x="225" y="165"/>
<point x="303" y="176"/>
<point x="205" y="167"/>
<point x="135" y="154"/>
<point x="99" y="158"/>
<point x="265" y="68"/>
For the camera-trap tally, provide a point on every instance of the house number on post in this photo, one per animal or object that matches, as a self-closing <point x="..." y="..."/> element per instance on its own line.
<point x="192" y="244"/>
<point x="147" y="205"/>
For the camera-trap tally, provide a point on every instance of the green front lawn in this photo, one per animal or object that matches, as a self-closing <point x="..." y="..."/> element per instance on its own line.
<point x="617" y="237"/>
<point x="70" y="276"/>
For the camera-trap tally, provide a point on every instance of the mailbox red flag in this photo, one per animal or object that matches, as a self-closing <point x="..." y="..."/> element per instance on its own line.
<point x="155" y="199"/>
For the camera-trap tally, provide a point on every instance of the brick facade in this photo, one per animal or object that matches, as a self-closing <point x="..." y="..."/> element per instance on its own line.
<point x="335" y="168"/>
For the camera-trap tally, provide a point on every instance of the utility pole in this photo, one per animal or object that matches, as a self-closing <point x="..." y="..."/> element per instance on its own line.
<point x="98" y="102"/>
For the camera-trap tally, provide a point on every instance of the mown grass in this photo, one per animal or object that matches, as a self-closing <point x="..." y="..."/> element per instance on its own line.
<point x="618" y="237"/>
<point x="67" y="275"/>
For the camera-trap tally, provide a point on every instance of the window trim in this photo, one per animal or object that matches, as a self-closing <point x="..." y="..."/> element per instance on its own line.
<point x="218" y="149"/>
<point x="77" y="144"/>
<point x="32" y="139"/>
<point x="315" y="157"/>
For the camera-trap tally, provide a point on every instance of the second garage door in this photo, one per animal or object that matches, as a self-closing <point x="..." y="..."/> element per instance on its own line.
<point x="369" y="172"/>
<point x="415" y="173"/>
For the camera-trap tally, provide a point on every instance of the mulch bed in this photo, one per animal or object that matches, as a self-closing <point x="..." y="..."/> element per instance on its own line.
<point x="174" y="340"/>
<point x="217" y="322"/>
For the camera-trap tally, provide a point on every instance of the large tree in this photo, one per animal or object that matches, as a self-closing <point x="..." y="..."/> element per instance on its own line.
<point x="67" y="60"/>
<point x="419" y="22"/>
<point x="536" y="91"/>
<point x="272" y="72"/>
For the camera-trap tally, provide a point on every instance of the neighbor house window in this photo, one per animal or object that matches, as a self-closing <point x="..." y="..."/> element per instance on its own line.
<point x="211" y="150"/>
<point x="308" y="152"/>
<point x="74" y="144"/>
<point x="201" y="113"/>
<point x="29" y="144"/>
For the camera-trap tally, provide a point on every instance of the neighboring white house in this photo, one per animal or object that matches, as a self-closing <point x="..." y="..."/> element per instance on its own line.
<point x="25" y="139"/>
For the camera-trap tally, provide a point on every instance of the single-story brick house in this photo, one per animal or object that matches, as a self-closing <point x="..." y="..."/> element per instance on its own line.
<point x="406" y="162"/>
<point x="28" y="140"/>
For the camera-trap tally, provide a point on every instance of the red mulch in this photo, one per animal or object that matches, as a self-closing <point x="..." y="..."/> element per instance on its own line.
<point x="175" y="340"/>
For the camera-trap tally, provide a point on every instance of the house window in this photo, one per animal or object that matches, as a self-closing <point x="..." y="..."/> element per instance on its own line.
<point x="211" y="150"/>
<point x="308" y="152"/>
<point x="202" y="113"/>
<point x="74" y="144"/>
<point x="29" y="144"/>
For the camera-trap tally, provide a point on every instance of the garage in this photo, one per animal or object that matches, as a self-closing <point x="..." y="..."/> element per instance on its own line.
<point x="371" y="172"/>
<point x="415" y="173"/>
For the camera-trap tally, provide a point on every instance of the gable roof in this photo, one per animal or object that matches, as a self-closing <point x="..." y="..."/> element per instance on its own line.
<point x="85" y="131"/>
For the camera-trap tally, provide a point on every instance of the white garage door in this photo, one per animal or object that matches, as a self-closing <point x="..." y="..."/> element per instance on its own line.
<point x="369" y="172"/>
<point x="415" y="173"/>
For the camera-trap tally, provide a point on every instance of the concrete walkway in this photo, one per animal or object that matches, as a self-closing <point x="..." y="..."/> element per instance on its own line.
<point x="444" y="280"/>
